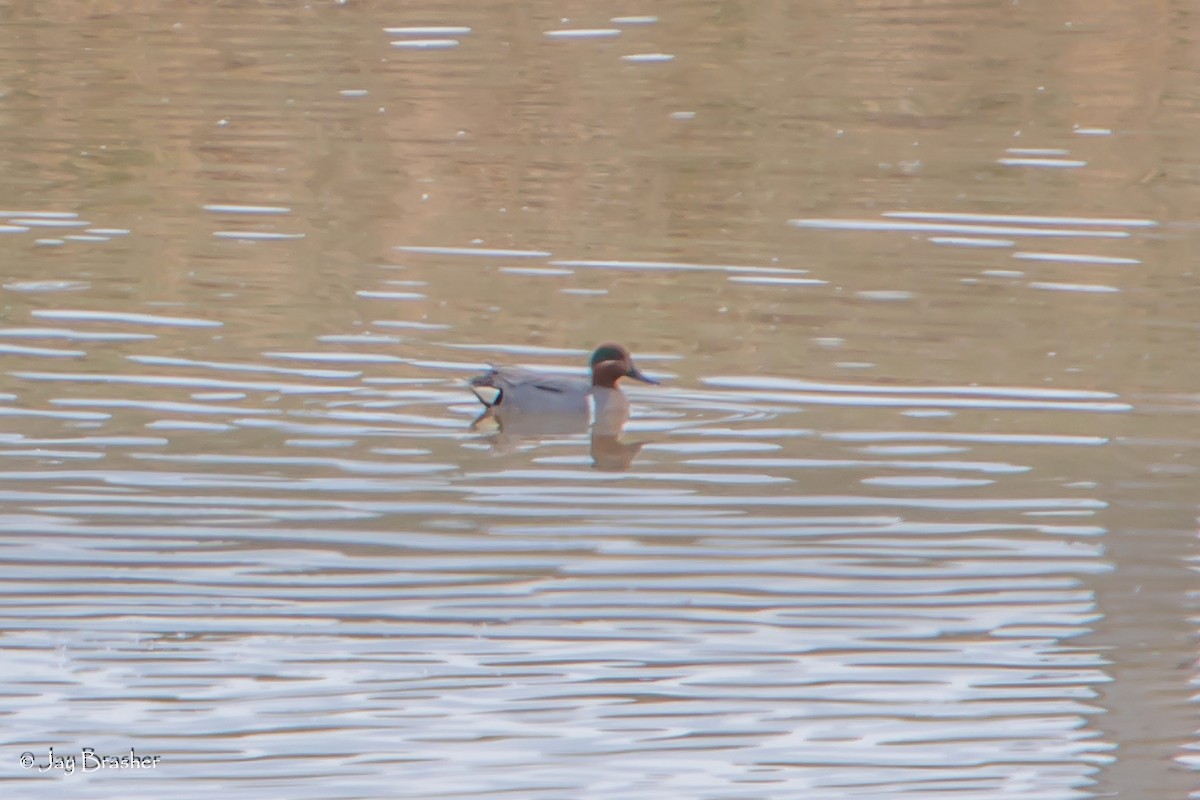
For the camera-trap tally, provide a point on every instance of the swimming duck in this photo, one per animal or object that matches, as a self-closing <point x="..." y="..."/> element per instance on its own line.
<point x="519" y="390"/>
<point x="516" y="431"/>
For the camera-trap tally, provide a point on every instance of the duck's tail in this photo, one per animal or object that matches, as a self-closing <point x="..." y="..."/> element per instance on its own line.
<point x="484" y="387"/>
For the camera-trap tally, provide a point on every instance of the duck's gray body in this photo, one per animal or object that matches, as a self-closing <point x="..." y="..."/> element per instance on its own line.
<point x="527" y="391"/>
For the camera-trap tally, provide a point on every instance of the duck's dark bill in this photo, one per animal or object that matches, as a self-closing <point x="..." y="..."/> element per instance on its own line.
<point x="637" y="375"/>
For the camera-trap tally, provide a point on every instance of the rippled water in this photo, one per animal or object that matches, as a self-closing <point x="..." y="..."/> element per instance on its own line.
<point x="911" y="514"/>
<point x="323" y="570"/>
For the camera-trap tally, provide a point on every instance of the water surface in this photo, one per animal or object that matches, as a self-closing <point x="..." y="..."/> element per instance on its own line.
<point x="911" y="514"/>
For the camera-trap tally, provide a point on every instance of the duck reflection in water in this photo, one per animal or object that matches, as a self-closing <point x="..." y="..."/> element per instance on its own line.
<point x="527" y="404"/>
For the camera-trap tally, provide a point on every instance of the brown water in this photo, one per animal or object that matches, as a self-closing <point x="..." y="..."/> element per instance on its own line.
<point x="913" y="513"/>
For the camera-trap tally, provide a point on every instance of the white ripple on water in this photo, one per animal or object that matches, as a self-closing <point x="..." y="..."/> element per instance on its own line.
<point x="332" y="444"/>
<point x="39" y="214"/>
<point x="1025" y="219"/>
<point x="583" y="33"/>
<point x="1075" y="258"/>
<point x="458" y="366"/>
<point x="846" y="463"/>
<point x="1027" y="392"/>
<point x="485" y="252"/>
<point x="1037" y="151"/>
<point x="359" y="338"/>
<point x="1053" y="163"/>
<point x="1083" y="288"/>
<point x="519" y="493"/>
<point x="520" y="349"/>
<point x="66" y="455"/>
<point x="534" y="271"/>
<point x="1055" y="439"/>
<point x="47" y="286"/>
<point x="971" y="241"/>
<point x="390" y="381"/>
<point x="680" y="266"/>
<point x="354" y="466"/>
<point x="763" y="433"/>
<point x="337" y="357"/>
<point x="766" y="280"/>
<point x="258" y="236"/>
<point x="794" y="391"/>
<point x="178" y="380"/>
<point x="152" y="405"/>
<point x="295" y="428"/>
<point x="371" y="294"/>
<point x="49" y="222"/>
<point x="259" y="486"/>
<point x="187" y="513"/>
<point x="648" y="58"/>
<point x="795" y="528"/>
<point x="187" y="425"/>
<point x="425" y="44"/>
<point x="575" y="497"/>
<point x="410" y="324"/>
<point x="82" y="336"/>
<point x="226" y="366"/>
<point x="885" y="295"/>
<point x="428" y="423"/>
<point x="85" y="416"/>
<point x="221" y="396"/>
<point x="44" y="352"/>
<point x="232" y="208"/>
<point x="925" y="482"/>
<point x="429" y="30"/>
<point x="713" y="447"/>
<point x="98" y="441"/>
<point x="960" y="228"/>
<point x="124" y="316"/>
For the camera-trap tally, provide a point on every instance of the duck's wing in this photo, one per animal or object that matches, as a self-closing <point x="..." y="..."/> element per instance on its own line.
<point x="491" y="386"/>
<point x="540" y="381"/>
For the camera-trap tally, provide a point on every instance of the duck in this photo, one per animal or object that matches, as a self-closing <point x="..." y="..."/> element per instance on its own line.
<point x="521" y="392"/>
<point x="515" y="432"/>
